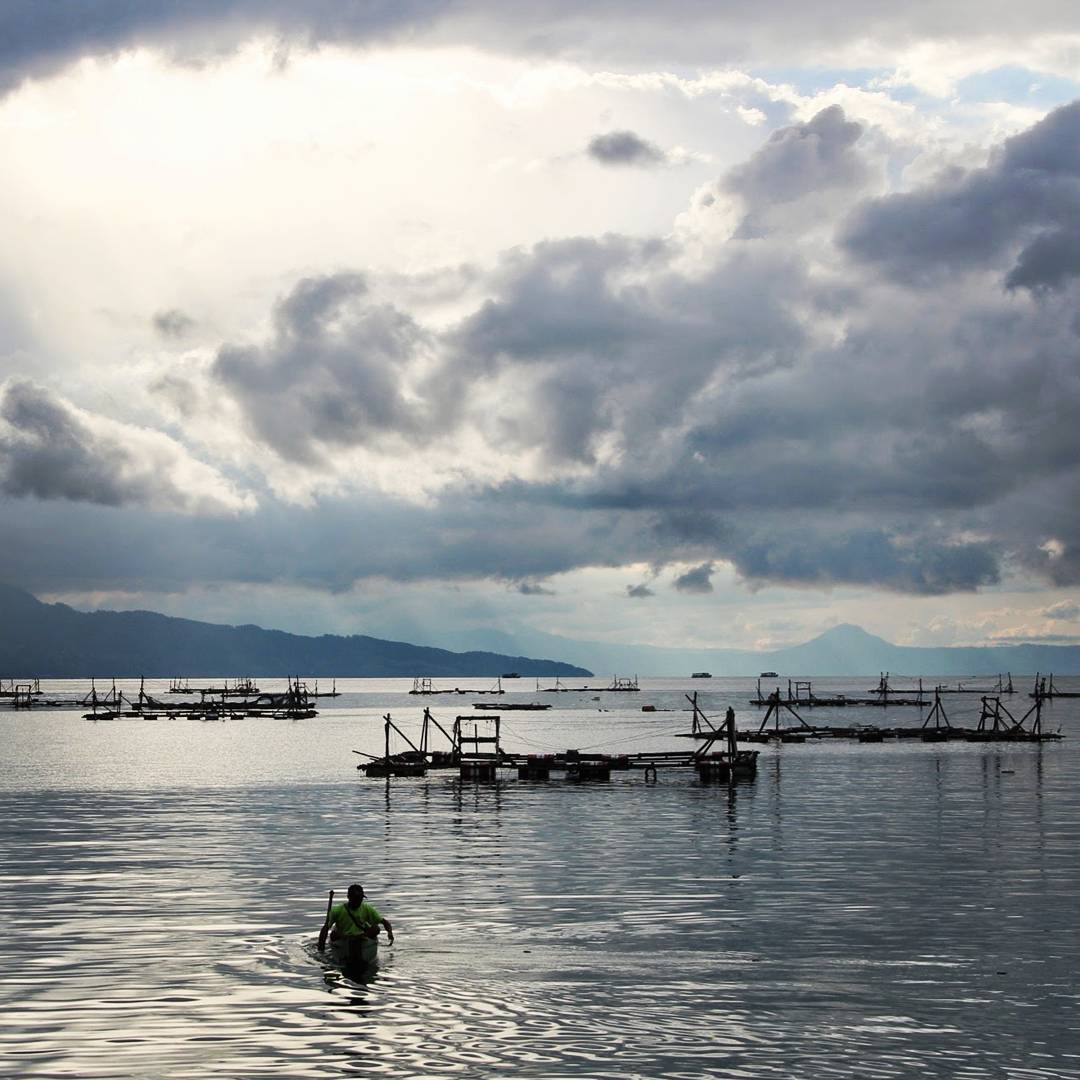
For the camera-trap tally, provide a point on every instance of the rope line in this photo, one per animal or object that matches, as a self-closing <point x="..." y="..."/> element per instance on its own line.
<point x="630" y="739"/>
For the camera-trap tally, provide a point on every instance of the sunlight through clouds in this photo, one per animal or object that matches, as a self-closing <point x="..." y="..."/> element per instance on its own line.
<point x="746" y="327"/>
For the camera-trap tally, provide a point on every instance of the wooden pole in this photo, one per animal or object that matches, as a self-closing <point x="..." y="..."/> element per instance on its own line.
<point x="326" y="922"/>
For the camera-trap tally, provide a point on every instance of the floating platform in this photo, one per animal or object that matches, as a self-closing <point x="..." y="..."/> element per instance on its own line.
<point x="841" y="701"/>
<point x="502" y="705"/>
<point x="618" y="686"/>
<point x="424" y="685"/>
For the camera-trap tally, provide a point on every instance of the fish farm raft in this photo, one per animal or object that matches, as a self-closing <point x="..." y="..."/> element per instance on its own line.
<point x="473" y="744"/>
<point x="475" y="753"/>
<point x="229" y="701"/>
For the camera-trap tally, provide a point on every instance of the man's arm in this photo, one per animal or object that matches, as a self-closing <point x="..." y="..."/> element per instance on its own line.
<point x="389" y="931"/>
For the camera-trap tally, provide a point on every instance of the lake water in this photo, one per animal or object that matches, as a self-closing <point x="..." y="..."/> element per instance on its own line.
<point x="855" y="911"/>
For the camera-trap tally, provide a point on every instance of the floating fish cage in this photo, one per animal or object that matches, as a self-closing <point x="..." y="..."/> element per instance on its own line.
<point x="589" y="769"/>
<point x="477" y="769"/>
<point x="536" y="767"/>
<point x="720" y="766"/>
<point x="394" y="768"/>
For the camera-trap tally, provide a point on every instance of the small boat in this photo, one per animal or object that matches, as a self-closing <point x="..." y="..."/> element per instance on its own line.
<point x="701" y="675"/>
<point x="510" y="675"/>
<point x="354" y="952"/>
<point x="768" y="675"/>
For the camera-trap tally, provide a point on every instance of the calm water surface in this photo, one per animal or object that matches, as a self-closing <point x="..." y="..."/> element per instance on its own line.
<point x="856" y="911"/>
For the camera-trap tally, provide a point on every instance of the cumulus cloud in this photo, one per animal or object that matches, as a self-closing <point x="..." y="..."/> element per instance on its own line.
<point x="333" y="373"/>
<point x="51" y="450"/>
<point x="697" y="580"/>
<point x="767" y="403"/>
<point x="624" y="148"/>
<point x="803" y="159"/>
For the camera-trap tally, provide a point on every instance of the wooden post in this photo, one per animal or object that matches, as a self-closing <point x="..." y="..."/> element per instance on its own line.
<point x="937" y="713"/>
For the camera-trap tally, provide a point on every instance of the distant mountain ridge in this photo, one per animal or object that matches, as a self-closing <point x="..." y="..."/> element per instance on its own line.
<point x="56" y="641"/>
<point x="850" y="650"/>
<point x="844" y="650"/>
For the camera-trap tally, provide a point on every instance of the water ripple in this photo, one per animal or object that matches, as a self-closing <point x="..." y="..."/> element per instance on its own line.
<point x="857" y="911"/>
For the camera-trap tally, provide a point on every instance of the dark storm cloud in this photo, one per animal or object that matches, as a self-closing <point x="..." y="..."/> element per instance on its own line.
<point x="624" y="148"/>
<point x="868" y="556"/>
<point x="1040" y="523"/>
<point x="567" y="415"/>
<point x="48" y="451"/>
<point x="51" y="454"/>
<point x="333" y="544"/>
<point x="612" y="340"/>
<point x="329" y="546"/>
<point x="729" y="409"/>
<point x="173" y="323"/>
<point x="1020" y="209"/>
<point x="698" y="580"/>
<point x="331" y="375"/>
<point x="1050" y="260"/>
<point x="638" y="592"/>
<point x="40" y="36"/>
<point x="563" y="297"/>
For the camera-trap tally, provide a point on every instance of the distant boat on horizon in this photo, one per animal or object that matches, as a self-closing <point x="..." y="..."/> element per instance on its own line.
<point x="768" y="675"/>
<point x="701" y="675"/>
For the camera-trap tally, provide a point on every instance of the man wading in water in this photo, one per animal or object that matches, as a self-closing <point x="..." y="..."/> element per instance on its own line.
<point x="355" y="928"/>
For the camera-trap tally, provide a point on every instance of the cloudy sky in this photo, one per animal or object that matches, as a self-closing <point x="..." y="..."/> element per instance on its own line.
<point x="694" y="324"/>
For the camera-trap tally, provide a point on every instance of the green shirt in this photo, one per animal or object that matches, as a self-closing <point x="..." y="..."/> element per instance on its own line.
<point x="351" y="922"/>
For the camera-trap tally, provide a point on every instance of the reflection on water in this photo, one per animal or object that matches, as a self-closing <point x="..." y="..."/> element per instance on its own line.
<point x="856" y="911"/>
